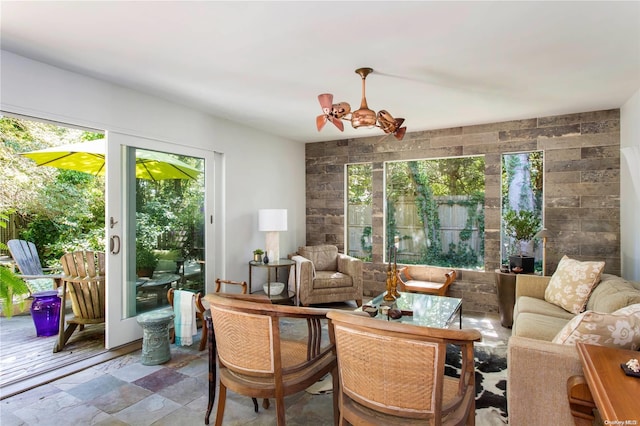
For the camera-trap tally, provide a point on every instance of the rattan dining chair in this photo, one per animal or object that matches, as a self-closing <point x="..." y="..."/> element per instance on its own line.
<point x="256" y="358"/>
<point x="392" y="373"/>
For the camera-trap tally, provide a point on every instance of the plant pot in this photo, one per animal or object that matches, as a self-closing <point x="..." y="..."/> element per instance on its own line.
<point x="144" y="272"/>
<point x="524" y="262"/>
<point x="257" y="258"/>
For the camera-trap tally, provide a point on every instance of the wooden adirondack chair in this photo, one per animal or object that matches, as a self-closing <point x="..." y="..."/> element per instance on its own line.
<point x="25" y="255"/>
<point x="84" y="279"/>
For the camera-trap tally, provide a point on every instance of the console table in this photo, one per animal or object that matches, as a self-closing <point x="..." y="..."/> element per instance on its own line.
<point x="615" y="394"/>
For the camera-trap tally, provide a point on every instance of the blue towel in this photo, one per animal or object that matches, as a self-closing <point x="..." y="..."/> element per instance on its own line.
<point x="184" y="308"/>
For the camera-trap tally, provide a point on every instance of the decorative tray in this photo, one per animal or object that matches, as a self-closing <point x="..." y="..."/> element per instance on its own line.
<point x="628" y="371"/>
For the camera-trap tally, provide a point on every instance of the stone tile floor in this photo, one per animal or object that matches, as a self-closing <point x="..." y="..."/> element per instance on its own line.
<point x="125" y="392"/>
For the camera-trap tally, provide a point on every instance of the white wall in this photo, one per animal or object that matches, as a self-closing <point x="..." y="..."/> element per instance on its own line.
<point x="630" y="187"/>
<point x="260" y="171"/>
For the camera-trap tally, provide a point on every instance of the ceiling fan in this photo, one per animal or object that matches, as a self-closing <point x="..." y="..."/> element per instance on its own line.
<point x="364" y="116"/>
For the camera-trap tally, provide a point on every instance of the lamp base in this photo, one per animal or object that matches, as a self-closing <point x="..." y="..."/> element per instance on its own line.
<point x="273" y="245"/>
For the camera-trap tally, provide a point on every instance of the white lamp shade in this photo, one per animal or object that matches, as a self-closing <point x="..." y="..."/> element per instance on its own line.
<point x="272" y="220"/>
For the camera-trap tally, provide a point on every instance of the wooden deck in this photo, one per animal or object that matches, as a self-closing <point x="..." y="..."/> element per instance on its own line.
<point x="27" y="361"/>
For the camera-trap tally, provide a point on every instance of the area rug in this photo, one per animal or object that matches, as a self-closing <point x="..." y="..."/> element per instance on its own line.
<point x="491" y="382"/>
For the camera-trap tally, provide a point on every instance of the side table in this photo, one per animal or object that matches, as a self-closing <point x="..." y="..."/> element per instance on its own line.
<point x="506" y="289"/>
<point x="155" y="336"/>
<point x="615" y="394"/>
<point x="287" y="295"/>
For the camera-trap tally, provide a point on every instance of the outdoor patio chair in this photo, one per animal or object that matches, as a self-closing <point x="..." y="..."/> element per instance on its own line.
<point x="393" y="373"/>
<point x="25" y="254"/>
<point x="84" y="279"/>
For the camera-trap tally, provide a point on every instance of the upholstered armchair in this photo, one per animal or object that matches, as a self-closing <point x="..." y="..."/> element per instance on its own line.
<point x="323" y="275"/>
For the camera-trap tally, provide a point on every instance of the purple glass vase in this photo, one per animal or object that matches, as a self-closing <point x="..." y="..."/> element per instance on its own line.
<point x="45" y="311"/>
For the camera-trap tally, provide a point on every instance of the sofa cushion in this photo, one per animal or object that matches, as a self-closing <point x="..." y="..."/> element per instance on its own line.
<point x="620" y="329"/>
<point x="613" y="293"/>
<point x="331" y="279"/>
<point x="538" y="326"/>
<point x="536" y="306"/>
<point x="324" y="257"/>
<point x="572" y="283"/>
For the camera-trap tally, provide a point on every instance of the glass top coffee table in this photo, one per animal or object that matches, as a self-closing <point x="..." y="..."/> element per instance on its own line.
<point x="428" y="310"/>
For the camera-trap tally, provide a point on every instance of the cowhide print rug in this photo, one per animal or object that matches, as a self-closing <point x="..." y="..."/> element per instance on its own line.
<point x="491" y="382"/>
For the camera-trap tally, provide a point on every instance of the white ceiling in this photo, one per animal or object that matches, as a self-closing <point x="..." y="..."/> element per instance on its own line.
<point x="262" y="64"/>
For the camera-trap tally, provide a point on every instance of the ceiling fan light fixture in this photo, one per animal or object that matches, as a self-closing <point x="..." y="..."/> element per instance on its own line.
<point x="362" y="117"/>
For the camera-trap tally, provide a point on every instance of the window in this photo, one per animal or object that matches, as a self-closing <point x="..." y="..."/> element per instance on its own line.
<point x="522" y="191"/>
<point x="435" y="211"/>
<point x="358" y="215"/>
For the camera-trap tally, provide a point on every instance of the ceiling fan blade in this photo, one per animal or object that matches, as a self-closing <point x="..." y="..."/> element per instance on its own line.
<point x="399" y="134"/>
<point x="383" y="138"/>
<point x="338" y="123"/>
<point x="321" y="120"/>
<point x="326" y="101"/>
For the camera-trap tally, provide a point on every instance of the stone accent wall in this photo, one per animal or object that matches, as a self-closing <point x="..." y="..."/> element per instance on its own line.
<point x="581" y="194"/>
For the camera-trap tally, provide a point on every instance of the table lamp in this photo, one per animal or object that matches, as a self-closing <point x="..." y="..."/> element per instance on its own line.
<point x="272" y="221"/>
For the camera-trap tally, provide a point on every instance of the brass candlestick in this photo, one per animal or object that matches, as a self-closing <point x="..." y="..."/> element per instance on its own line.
<point x="389" y="297"/>
<point x="392" y="278"/>
<point x="394" y="283"/>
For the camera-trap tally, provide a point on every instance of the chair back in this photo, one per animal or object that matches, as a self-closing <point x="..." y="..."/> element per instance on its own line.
<point x="248" y="335"/>
<point x="255" y="360"/>
<point x="26" y="257"/>
<point x="84" y="278"/>
<point x="398" y="369"/>
<point x="324" y="257"/>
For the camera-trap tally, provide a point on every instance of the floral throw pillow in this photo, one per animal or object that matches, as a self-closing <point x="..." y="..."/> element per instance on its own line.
<point x="571" y="284"/>
<point x="620" y="329"/>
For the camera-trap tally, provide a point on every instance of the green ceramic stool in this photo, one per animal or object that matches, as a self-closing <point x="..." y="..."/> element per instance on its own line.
<point x="155" y="337"/>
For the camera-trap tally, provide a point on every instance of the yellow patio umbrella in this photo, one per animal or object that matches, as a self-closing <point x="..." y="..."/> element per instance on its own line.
<point x="89" y="157"/>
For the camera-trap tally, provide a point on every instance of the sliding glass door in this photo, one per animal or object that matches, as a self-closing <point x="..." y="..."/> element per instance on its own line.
<point x="159" y="228"/>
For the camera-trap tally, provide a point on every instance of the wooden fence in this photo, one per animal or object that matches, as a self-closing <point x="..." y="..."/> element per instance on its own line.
<point x="453" y="217"/>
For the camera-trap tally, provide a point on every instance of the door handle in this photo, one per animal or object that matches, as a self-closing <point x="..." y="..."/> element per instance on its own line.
<point x="112" y="244"/>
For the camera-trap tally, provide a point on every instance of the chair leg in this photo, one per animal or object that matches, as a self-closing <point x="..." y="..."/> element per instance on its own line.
<point x="255" y="404"/>
<point x="280" y="412"/>
<point x="64" y="337"/>
<point x="222" y="399"/>
<point x="203" y="338"/>
<point x="336" y="403"/>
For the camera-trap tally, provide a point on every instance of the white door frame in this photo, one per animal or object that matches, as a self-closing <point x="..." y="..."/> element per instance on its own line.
<point x="119" y="329"/>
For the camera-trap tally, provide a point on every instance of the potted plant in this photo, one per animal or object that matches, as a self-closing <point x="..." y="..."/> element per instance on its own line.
<point x="522" y="225"/>
<point x="13" y="289"/>
<point x="257" y="255"/>
<point x="13" y="292"/>
<point x="146" y="261"/>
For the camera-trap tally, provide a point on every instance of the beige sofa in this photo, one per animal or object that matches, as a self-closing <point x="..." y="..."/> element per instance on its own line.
<point x="537" y="368"/>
